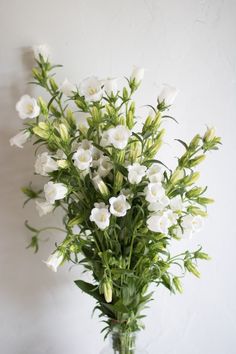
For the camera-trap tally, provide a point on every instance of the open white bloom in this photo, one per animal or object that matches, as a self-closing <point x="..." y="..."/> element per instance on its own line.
<point x="91" y="89"/>
<point x="43" y="208"/>
<point x="136" y="173"/>
<point x="42" y="50"/>
<point x="54" y="191"/>
<point x="105" y="166"/>
<point x="67" y="88"/>
<point x="159" y="205"/>
<point x="119" y="136"/>
<point x="110" y="86"/>
<point x="137" y="74"/>
<point x="27" y="107"/>
<point x="192" y="224"/>
<point x="44" y="164"/>
<point x="100" y="215"/>
<point x="119" y="205"/>
<point x="176" y="203"/>
<point x="82" y="159"/>
<point x="168" y="95"/>
<point x="154" y="192"/>
<point x="158" y="223"/>
<point x="20" y="139"/>
<point x="54" y="261"/>
<point x="155" y="173"/>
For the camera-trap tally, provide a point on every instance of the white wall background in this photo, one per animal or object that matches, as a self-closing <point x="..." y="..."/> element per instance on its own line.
<point x="190" y="44"/>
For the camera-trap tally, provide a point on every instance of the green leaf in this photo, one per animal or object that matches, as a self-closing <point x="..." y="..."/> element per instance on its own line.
<point x="89" y="289"/>
<point x="183" y="143"/>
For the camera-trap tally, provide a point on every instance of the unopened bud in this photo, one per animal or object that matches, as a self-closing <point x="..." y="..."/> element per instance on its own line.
<point x="176" y="176"/>
<point x="62" y="163"/>
<point x="209" y="135"/>
<point x="41" y="132"/>
<point x="177" y="284"/>
<point x="107" y="290"/>
<point x="100" y="186"/>
<point x="43" y="106"/>
<point x="63" y="132"/>
<point x="191" y="268"/>
<point x="196" y="161"/>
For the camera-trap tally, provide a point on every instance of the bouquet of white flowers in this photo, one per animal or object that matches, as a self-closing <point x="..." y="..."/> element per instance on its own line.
<point x="122" y="205"/>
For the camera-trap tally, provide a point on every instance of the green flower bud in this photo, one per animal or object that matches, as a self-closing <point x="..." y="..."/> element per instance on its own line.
<point x="188" y="180"/>
<point x="43" y="106"/>
<point x="41" y="132"/>
<point x="125" y="94"/>
<point x="36" y="74"/>
<point x="53" y="84"/>
<point x="107" y="290"/>
<point x="191" y="268"/>
<point x="209" y="135"/>
<point x="196" y="211"/>
<point x="177" y="284"/>
<point x="176" y="176"/>
<point x="130" y="120"/>
<point x="43" y="126"/>
<point x="101" y="186"/>
<point x="196" y="191"/>
<point x="203" y="200"/>
<point x="196" y="161"/>
<point x="195" y="142"/>
<point x="63" y="132"/>
<point x="62" y="163"/>
<point x="202" y="255"/>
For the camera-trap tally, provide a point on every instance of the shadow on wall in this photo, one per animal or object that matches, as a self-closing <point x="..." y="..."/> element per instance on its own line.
<point x="26" y="289"/>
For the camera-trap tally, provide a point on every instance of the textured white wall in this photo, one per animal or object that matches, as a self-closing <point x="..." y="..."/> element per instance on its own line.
<point x="190" y="44"/>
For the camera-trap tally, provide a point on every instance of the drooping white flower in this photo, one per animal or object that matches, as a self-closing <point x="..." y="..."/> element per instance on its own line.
<point x="54" y="191"/>
<point x="192" y="224"/>
<point x="20" y="139"/>
<point x="105" y="139"/>
<point x="45" y="164"/>
<point x="97" y="156"/>
<point x="43" y="208"/>
<point x="105" y="166"/>
<point x="42" y="50"/>
<point x="76" y="230"/>
<point x="101" y="216"/>
<point x="27" y="107"/>
<point x="155" y="173"/>
<point x="119" y="136"/>
<point x="159" y="205"/>
<point x="127" y="193"/>
<point x="158" y="223"/>
<point x="168" y="95"/>
<point x="172" y="216"/>
<point x="82" y="122"/>
<point x="177" y="204"/>
<point x="86" y="144"/>
<point x="154" y="192"/>
<point x="82" y="159"/>
<point x="54" y="261"/>
<point x="137" y="74"/>
<point x="136" y="173"/>
<point x="119" y="205"/>
<point x="110" y="86"/>
<point x="67" y="88"/>
<point x="91" y="89"/>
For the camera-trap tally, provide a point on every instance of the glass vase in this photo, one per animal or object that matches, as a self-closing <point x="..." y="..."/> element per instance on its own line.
<point x="124" y="343"/>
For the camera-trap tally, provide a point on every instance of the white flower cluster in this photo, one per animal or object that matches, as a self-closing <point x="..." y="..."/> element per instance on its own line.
<point x="101" y="212"/>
